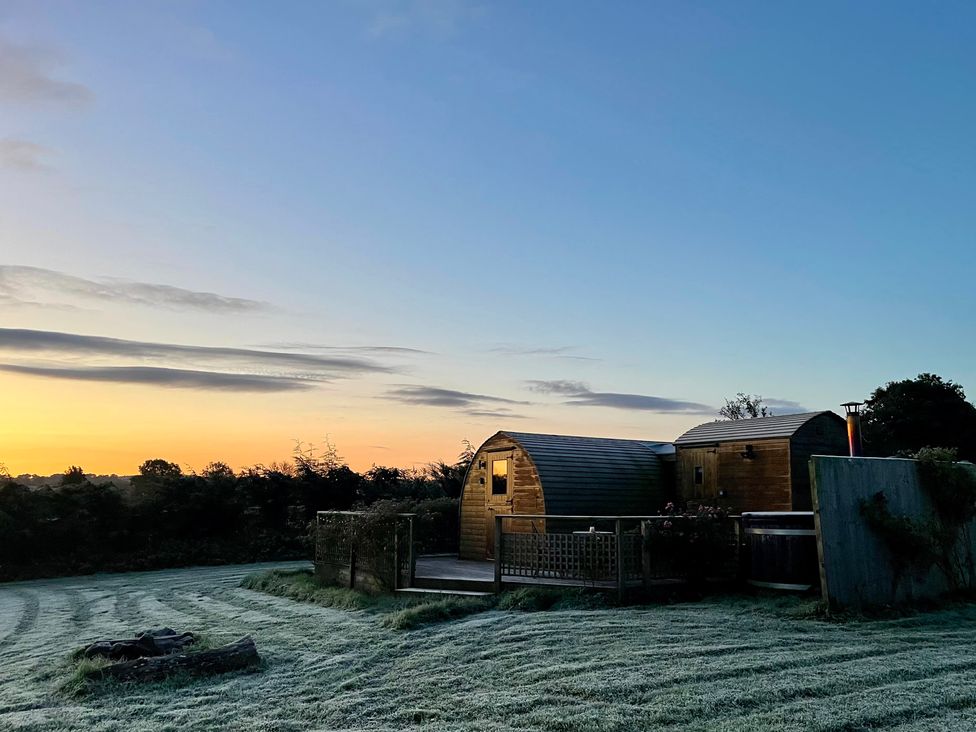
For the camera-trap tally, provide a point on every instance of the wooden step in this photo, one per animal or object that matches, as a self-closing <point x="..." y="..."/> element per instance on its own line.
<point x="453" y="583"/>
<point x="442" y="593"/>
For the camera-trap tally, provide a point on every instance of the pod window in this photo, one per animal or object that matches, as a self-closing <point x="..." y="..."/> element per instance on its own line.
<point x="499" y="477"/>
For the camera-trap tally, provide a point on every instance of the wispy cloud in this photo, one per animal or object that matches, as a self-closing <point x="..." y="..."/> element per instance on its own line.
<point x="557" y="386"/>
<point x="580" y="395"/>
<point x="304" y="346"/>
<point x="473" y="405"/>
<point x="432" y="396"/>
<point x="553" y="351"/>
<point x="785" y="406"/>
<point x="9" y="301"/>
<point x="35" y="284"/>
<point x="52" y="354"/>
<point x="495" y="414"/>
<point x="166" y="377"/>
<point x="44" y="342"/>
<point x="440" y="18"/>
<point x="24" y="155"/>
<point x="27" y="77"/>
<point x="638" y="402"/>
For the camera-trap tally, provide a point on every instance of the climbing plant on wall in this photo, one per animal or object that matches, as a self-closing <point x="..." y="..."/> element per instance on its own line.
<point x="943" y="538"/>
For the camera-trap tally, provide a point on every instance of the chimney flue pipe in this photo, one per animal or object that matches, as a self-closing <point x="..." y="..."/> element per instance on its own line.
<point x="854" y="428"/>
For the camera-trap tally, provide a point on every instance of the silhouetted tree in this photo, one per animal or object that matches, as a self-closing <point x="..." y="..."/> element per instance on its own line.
<point x="902" y="417"/>
<point x="166" y="518"/>
<point x="73" y="475"/>
<point x="218" y="471"/>
<point x="159" y="470"/>
<point x="745" y="406"/>
<point x="450" y="477"/>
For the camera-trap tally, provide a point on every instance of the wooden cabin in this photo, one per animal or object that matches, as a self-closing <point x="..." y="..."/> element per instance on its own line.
<point x="756" y="464"/>
<point x="526" y="473"/>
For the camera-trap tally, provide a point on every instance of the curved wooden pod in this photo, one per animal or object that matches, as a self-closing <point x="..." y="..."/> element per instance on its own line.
<point x="557" y="475"/>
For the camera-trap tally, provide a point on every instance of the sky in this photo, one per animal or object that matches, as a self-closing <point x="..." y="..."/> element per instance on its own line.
<point x="395" y="225"/>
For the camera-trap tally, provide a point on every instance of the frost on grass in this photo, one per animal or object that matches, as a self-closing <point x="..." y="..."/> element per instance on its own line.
<point x="398" y="612"/>
<point x="407" y="613"/>
<point x="714" y="665"/>
<point x="436" y="611"/>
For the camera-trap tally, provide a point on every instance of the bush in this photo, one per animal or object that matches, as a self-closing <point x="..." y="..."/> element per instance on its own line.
<point x="302" y="586"/>
<point x="536" y="599"/>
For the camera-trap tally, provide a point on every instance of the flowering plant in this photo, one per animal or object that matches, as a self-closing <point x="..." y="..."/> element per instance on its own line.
<point x="691" y="543"/>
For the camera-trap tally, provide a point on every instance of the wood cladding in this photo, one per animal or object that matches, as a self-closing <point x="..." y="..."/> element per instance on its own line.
<point x="759" y="483"/>
<point x="769" y="474"/>
<point x="477" y="511"/>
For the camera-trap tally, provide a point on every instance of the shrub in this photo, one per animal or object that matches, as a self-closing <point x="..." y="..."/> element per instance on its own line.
<point x="301" y="585"/>
<point x="537" y="599"/>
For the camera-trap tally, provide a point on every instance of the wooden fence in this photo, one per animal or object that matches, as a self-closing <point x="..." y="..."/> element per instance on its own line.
<point x="629" y="551"/>
<point x="365" y="550"/>
<point x="856" y="569"/>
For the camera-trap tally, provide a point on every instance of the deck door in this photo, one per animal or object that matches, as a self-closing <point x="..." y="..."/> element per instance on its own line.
<point x="499" y="489"/>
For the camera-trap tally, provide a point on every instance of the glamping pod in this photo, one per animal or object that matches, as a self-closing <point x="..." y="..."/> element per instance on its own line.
<point x="526" y="473"/>
<point x="756" y="464"/>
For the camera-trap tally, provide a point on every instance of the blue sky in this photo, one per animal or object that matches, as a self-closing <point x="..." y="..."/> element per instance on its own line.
<point x="671" y="200"/>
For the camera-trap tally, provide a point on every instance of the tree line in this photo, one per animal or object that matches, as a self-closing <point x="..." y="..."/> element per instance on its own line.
<point x="165" y="517"/>
<point x="899" y="418"/>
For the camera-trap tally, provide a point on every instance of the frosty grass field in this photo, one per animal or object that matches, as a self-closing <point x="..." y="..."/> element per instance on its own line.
<point x="716" y="665"/>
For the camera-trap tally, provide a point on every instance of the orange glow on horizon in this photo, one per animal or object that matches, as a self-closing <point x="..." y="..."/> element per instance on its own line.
<point x="48" y="425"/>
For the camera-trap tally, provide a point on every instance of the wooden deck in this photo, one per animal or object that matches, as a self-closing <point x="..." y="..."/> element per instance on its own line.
<point x="450" y="573"/>
<point x="450" y="567"/>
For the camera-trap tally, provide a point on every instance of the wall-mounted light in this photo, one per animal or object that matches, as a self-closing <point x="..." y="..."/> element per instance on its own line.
<point x="748" y="454"/>
<point x="482" y="465"/>
<point x="481" y="480"/>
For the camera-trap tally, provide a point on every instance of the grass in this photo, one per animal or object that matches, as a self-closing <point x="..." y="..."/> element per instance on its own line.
<point x="400" y="612"/>
<point x="301" y="585"/>
<point x="718" y="665"/>
<point x="436" y="611"/>
<point x="409" y="612"/>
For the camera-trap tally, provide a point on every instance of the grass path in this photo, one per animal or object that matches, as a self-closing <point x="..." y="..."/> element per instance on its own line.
<point x="715" y="665"/>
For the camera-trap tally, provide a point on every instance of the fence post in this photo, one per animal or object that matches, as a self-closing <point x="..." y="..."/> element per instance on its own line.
<point x="396" y="553"/>
<point x="645" y="530"/>
<point x="740" y="551"/>
<point x="498" y="553"/>
<point x="413" y="555"/>
<point x="618" y="531"/>
<point x="352" y="561"/>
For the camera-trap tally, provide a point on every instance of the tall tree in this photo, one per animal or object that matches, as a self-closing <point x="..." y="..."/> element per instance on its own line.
<point x="74" y="475"/>
<point x="159" y="470"/>
<point x="902" y="417"/>
<point x="745" y="406"/>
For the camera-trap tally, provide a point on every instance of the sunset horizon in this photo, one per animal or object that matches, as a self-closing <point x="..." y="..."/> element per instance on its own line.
<point x="406" y="225"/>
<point x="476" y="365"/>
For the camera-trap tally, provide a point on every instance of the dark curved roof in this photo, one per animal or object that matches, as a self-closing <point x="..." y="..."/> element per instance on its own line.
<point x="749" y="429"/>
<point x="596" y="475"/>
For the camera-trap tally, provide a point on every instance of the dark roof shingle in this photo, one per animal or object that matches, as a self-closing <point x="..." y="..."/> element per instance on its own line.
<point x="748" y="429"/>
<point x="595" y="475"/>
